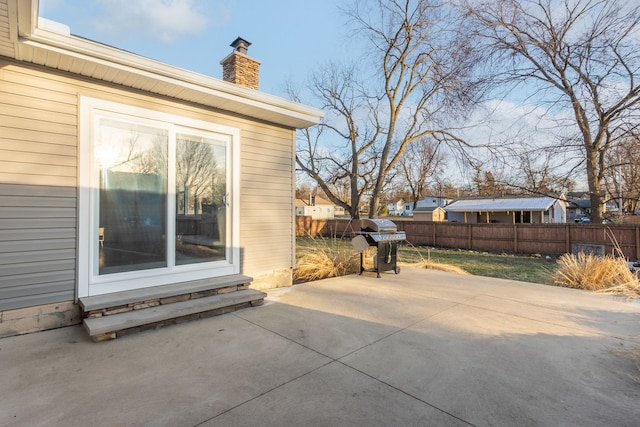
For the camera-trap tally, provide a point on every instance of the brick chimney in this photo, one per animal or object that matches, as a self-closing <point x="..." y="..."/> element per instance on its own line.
<point x="238" y="68"/>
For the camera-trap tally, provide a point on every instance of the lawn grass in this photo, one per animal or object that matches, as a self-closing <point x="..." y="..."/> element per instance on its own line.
<point x="513" y="267"/>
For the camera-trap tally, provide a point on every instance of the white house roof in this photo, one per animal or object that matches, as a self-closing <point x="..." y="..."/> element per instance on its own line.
<point x="26" y="37"/>
<point x="501" y="204"/>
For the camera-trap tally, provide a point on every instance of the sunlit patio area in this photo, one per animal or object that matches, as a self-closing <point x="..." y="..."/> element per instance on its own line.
<point x="415" y="349"/>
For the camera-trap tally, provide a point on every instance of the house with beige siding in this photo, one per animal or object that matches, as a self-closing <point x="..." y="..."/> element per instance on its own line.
<point x="429" y="213"/>
<point x="131" y="185"/>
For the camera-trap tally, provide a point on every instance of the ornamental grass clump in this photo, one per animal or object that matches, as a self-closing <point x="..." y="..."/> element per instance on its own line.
<point x="325" y="261"/>
<point x="608" y="274"/>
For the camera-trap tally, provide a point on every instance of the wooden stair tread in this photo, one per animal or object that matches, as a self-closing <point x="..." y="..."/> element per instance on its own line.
<point x="131" y="319"/>
<point x="116" y="299"/>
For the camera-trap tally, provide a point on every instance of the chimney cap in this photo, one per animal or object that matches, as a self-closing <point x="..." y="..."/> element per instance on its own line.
<point x="240" y="45"/>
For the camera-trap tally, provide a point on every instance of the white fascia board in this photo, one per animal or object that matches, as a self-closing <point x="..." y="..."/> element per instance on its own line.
<point x="12" y="11"/>
<point x="27" y="15"/>
<point x="236" y="98"/>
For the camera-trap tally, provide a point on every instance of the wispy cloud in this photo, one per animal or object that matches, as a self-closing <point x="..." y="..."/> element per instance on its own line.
<point x="161" y="20"/>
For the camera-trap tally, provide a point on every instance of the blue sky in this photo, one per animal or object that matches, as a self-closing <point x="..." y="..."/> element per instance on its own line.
<point x="289" y="37"/>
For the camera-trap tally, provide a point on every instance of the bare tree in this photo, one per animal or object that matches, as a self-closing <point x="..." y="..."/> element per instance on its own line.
<point x="486" y="184"/>
<point x="582" y="56"/>
<point x="415" y="74"/>
<point x="537" y="174"/>
<point x="423" y="63"/>
<point x="420" y="161"/>
<point x="623" y="177"/>
<point x="446" y="189"/>
<point x="303" y="191"/>
<point x="344" y="162"/>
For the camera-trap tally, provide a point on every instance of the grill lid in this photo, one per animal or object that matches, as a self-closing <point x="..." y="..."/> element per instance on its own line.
<point x="378" y="225"/>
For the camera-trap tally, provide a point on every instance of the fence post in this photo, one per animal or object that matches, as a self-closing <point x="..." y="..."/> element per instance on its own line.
<point x="515" y="239"/>
<point x="637" y="242"/>
<point x="434" y="227"/>
<point x="567" y="238"/>
<point x="469" y="238"/>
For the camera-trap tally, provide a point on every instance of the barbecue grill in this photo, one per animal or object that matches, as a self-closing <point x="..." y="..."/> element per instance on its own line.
<point x="384" y="235"/>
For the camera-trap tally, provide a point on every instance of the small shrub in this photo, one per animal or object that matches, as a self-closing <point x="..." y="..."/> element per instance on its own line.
<point x="608" y="274"/>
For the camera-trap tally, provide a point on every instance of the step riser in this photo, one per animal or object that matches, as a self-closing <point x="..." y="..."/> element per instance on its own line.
<point x="121" y="313"/>
<point x="139" y="305"/>
<point x="175" y="321"/>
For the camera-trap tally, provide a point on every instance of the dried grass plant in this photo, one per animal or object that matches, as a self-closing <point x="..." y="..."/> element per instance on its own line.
<point x="324" y="262"/>
<point x="609" y="274"/>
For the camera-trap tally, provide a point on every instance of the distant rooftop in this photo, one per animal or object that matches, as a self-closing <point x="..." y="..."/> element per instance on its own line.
<point x="501" y="204"/>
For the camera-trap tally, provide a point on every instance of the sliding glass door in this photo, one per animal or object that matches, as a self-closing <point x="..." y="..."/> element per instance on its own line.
<point x="157" y="204"/>
<point x="132" y="197"/>
<point x="200" y="199"/>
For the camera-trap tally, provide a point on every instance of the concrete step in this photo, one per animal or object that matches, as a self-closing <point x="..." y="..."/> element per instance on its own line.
<point x="114" y="325"/>
<point x="119" y="299"/>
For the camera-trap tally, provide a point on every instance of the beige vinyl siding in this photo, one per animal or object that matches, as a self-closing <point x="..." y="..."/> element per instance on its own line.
<point x="267" y="209"/>
<point x="38" y="179"/>
<point x="6" y="46"/>
<point x="39" y="131"/>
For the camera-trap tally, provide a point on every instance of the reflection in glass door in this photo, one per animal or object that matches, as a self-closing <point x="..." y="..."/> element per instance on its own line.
<point x="200" y="199"/>
<point x="156" y="200"/>
<point x="132" y="198"/>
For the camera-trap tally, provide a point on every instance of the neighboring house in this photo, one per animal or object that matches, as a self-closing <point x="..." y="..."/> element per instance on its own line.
<point x="407" y="209"/>
<point x="123" y="175"/>
<point x="577" y="209"/>
<point x="508" y="210"/>
<point x="316" y="208"/>
<point x="431" y="213"/>
<point x="434" y="201"/>
<point x="395" y="209"/>
<point x="340" y="211"/>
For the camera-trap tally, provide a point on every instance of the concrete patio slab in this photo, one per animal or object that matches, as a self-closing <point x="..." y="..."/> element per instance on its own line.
<point x="175" y="376"/>
<point x="419" y="348"/>
<point x="336" y="395"/>
<point x="508" y="370"/>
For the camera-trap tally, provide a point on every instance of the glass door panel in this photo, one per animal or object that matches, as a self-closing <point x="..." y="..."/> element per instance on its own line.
<point x="201" y="189"/>
<point x="132" y="199"/>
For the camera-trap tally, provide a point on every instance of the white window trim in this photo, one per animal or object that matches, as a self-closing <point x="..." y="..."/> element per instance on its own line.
<point x="89" y="284"/>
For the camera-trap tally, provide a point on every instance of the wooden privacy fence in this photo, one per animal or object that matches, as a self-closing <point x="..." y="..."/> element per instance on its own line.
<point x="546" y="239"/>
